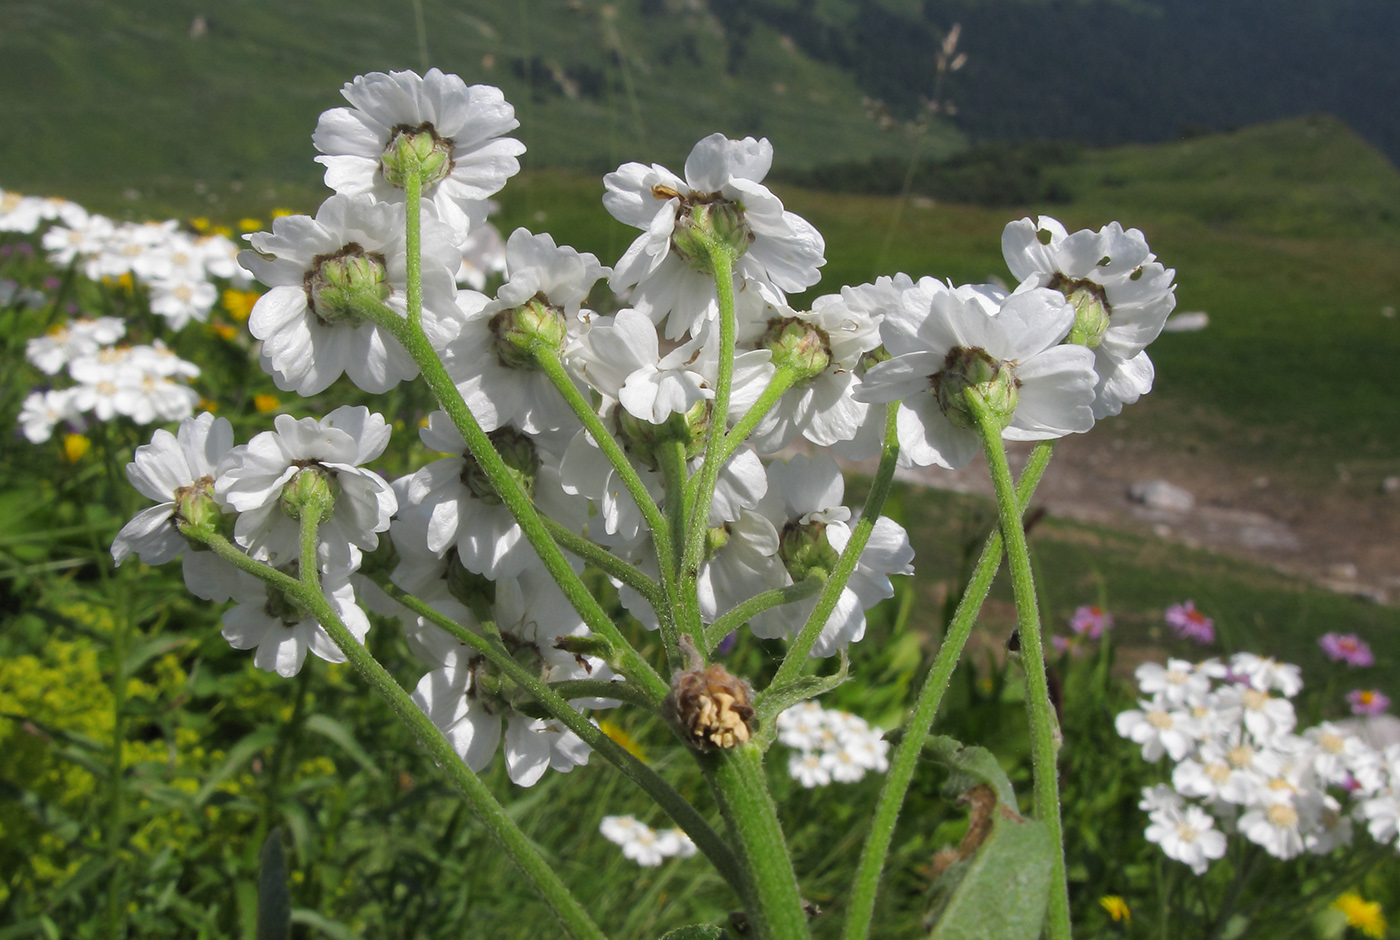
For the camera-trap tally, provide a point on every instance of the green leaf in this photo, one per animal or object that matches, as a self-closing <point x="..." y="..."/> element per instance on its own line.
<point x="274" y="897"/>
<point x="969" y="766"/>
<point x="341" y="736"/>
<point x="238" y="755"/>
<point x="773" y="702"/>
<point x="1003" y="890"/>
<point x="150" y="649"/>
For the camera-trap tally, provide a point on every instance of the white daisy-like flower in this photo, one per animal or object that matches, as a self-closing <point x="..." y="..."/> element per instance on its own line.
<point x="743" y="562"/>
<point x="265" y="619"/>
<point x="1121" y="294"/>
<point x="1381" y="813"/>
<point x="316" y="270"/>
<point x="943" y="340"/>
<point x="1264" y="715"/>
<point x="181" y="297"/>
<point x="1266" y="673"/>
<point x="1275" y="824"/>
<point x="1178" y="682"/>
<point x="642" y="844"/>
<point x="723" y="179"/>
<point x="24" y="214"/>
<point x="171" y="468"/>
<point x="43" y="411"/>
<point x="809" y="768"/>
<point x="465" y="698"/>
<point x="1159" y="728"/>
<point x="1187" y="835"/>
<point x="252" y="479"/>
<point x="64" y="343"/>
<point x="491" y="360"/>
<point x="620" y="357"/>
<point x="462" y="507"/>
<point x="455" y="129"/>
<point x="805" y="505"/>
<point x="80" y="240"/>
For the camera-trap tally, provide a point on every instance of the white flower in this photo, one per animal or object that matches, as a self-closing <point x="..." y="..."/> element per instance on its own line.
<point x="169" y="468"/>
<point x="642" y="844"/>
<point x="1187" y="835"/>
<point x="743" y="562"/>
<point x="784" y="251"/>
<point x="181" y="297"/>
<point x="1264" y="715"/>
<point x="464" y="511"/>
<point x="281" y="631"/>
<point x="1177" y="682"/>
<point x="1382" y="815"/>
<point x="20" y="213"/>
<point x="1274" y="823"/>
<point x="1158" y="729"/>
<point x="464" y="697"/>
<point x="310" y="335"/>
<point x="42" y="411"/>
<point x="620" y="357"/>
<point x="461" y="125"/>
<point x="490" y="360"/>
<point x="81" y="240"/>
<point x="1267" y="673"/>
<point x="62" y="344"/>
<point x="252" y="479"/>
<point x="805" y="505"/>
<point x="942" y="338"/>
<point x="1122" y="294"/>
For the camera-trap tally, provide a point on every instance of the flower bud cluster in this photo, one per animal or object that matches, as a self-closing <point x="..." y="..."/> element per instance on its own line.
<point x="1228" y="728"/>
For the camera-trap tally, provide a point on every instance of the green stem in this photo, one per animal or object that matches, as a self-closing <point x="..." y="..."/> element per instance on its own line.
<point x="572" y="917"/>
<point x="774" y="902"/>
<point x="782" y="380"/>
<point x="511" y="493"/>
<point x="552" y="698"/>
<point x="757" y="604"/>
<point x="674" y="473"/>
<point x="552" y="366"/>
<point x="801" y="647"/>
<point x="605" y="561"/>
<point x="722" y="262"/>
<point x="905" y="760"/>
<point x="1044" y="732"/>
<point x="413" y="238"/>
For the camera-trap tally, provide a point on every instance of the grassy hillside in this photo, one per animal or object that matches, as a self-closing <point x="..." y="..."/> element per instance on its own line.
<point x="158" y="96"/>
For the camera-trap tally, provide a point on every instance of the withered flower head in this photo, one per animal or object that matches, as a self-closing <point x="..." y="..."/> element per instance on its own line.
<point x="712" y="706"/>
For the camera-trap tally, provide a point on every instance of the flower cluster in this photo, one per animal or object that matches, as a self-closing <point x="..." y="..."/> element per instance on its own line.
<point x="643" y="844"/>
<point x="830" y="745"/>
<point x="1241" y="768"/>
<point x="146" y="383"/>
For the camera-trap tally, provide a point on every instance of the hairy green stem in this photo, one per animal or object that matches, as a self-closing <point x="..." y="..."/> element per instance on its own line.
<point x="866" y="884"/>
<point x="774" y="903"/>
<point x="605" y="561"/>
<point x="413" y="238"/>
<point x="757" y="604"/>
<point x="571" y="915"/>
<point x="552" y="366"/>
<point x="801" y="647"/>
<point x="722" y="262"/>
<point x="672" y="803"/>
<point x="1044" y="732"/>
<point x="674" y="478"/>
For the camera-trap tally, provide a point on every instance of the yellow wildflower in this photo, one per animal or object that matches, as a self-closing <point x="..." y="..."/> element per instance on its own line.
<point x="282" y="211"/>
<point x="223" y="230"/>
<point x="200" y="223"/>
<point x="239" y="303"/>
<point x="224" y="330"/>
<point x="207" y="405"/>
<point x="74" y="446"/>
<point x="627" y="742"/>
<point x="249" y="225"/>
<point x="1117" y="907"/>
<point x="1364" y="915"/>
<point x="266" y="403"/>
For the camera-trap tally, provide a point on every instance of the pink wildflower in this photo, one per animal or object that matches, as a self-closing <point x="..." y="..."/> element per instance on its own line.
<point x="1348" y="648"/>
<point x="1368" y="701"/>
<point x="1190" y="624"/>
<point x="1090" y="621"/>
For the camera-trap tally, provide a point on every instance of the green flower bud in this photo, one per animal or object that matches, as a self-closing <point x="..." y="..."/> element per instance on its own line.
<point x="715" y="539"/>
<point x="519" y="331"/>
<point x="1091" y="310"/>
<point x="706" y="222"/>
<point x="282" y="608"/>
<point x="522" y="462"/>
<point x="876" y="355"/>
<point x="642" y="439"/>
<point x="338" y="283"/>
<point x="805" y="551"/>
<point x="798" y="345"/>
<point x="476" y="592"/>
<point x="416" y="151"/>
<point x="973" y="368"/>
<point x="311" y="491"/>
<point x="196" y="510"/>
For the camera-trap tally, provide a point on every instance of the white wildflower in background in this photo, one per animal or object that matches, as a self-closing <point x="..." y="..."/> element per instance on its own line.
<point x="68" y="341"/>
<point x="281" y="631"/>
<point x="644" y="845"/>
<point x="830" y="745"/>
